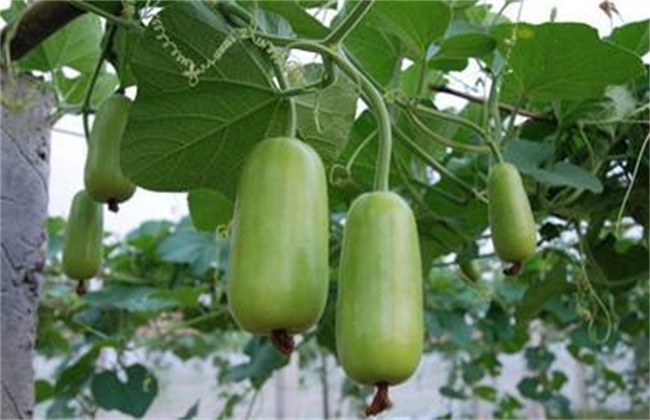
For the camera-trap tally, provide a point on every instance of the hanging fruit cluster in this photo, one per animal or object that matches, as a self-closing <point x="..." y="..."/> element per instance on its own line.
<point x="104" y="183"/>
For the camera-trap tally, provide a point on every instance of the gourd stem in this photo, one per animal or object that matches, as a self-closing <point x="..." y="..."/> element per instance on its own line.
<point x="348" y="23"/>
<point x="85" y="107"/>
<point x="374" y="101"/>
<point x="292" y="124"/>
<point x="282" y="341"/>
<point x="380" y="401"/>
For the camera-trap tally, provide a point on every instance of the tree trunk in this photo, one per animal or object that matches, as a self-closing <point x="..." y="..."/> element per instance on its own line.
<point x="25" y="143"/>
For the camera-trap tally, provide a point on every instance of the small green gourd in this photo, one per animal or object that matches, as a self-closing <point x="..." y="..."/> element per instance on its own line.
<point x="103" y="176"/>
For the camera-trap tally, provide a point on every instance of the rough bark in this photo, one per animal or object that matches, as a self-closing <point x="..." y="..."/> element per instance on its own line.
<point x="25" y="141"/>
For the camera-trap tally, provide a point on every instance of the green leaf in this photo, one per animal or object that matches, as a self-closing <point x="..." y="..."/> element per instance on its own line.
<point x="538" y="294"/>
<point x="555" y="61"/>
<point x="528" y="156"/>
<point x="415" y="23"/>
<point x="303" y="24"/>
<point x="613" y="377"/>
<point x="539" y="358"/>
<point x="148" y="234"/>
<point x="198" y="249"/>
<point x="142" y="299"/>
<point x="72" y="91"/>
<point x="77" y="45"/>
<point x="634" y="36"/>
<point x="43" y="390"/>
<point x="132" y="397"/>
<point x="55" y="232"/>
<point x="558" y="379"/>
<point x="326" y="331"/>
<point x="449" y="392"/>
<point x="209" y="209"/>
<point x="13" y="11"/>
<point x="534" y="389"/>
<point x="485" y="392"/>
<point x="191" y="412"/>
<point x="325" y="118"/>
<point x="410" y="81"/>
<point x="264" y="360"/>
<point x="465" y="45"/>
<point x="73" y="377"/>
<point x="378" y="52"/>
<point x="608" y="266"/>
<point x="181" y="137"/>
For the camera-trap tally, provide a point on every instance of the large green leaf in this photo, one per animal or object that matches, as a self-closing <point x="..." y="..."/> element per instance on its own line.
<point x="264" y="360"/>
<point x="634" y="36"/>
<point x="72" y="91"/>
<point x="142" y="299"/>
<point x="379" y="53"/>
<point x="528" y="156"/>
<point x="187" y="246"/>
<point x="538" y="294"/>
<point x="303" y="24"/>
<point x="393" y="29"/>
<point x="132" y="397"/>
<point x="415" y="23"/>
<point x="555" y="61"/>
<point x="325" y="118"/>
<point x="609" y="266"/>
<point x="180" y="137"/>
<point x="209" y="209"/>
<point x="465" y="45"/>
<point x="77" y="45"/>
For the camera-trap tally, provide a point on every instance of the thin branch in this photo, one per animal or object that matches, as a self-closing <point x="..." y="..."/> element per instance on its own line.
<point x="479" y="100"/>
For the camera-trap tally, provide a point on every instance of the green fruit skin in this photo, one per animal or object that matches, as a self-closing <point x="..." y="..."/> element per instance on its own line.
<point x="379" y="312"/>
<point x="278" y="272"/>
<point x="104" y="180"/>
<point x="82" y="240"/>
<point x="511" y="219"/>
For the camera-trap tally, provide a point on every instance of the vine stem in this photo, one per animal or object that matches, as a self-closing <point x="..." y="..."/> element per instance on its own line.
<point x="348" y="23"/>
<point x="374" y="101"/>
<point x="628" y="192"/>
<point x="85" y="107"/>
<point x="442" y="140"/>
<point x="89" y="7"/>
<point x="444" y="116"/>
<point x="423" y="155"/>
<point x="292" y="125"/>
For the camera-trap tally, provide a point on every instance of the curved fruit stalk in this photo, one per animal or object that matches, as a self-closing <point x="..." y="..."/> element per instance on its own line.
<point x="379" y="313"/>
<point x="511" y="219"/>
<point x="278" y="272"/>
<point x="82" y="241"/>
<point x="104" y="180"/>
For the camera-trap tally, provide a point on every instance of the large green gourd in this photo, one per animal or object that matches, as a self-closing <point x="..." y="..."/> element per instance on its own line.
<point x="278" y="272"/>
<point x="379" y="313"/>
<point x="104" y="180"/>
<point x="511" y="219"/>
<point x="82" y="243"/>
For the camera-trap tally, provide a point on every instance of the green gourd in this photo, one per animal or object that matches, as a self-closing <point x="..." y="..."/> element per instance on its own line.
<point x="104" y="180"/>
<point x="82" y="240"/>
<point x="511" y="219"/>
<point x="379" y="312"/>
<point x="278" y="270"/>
